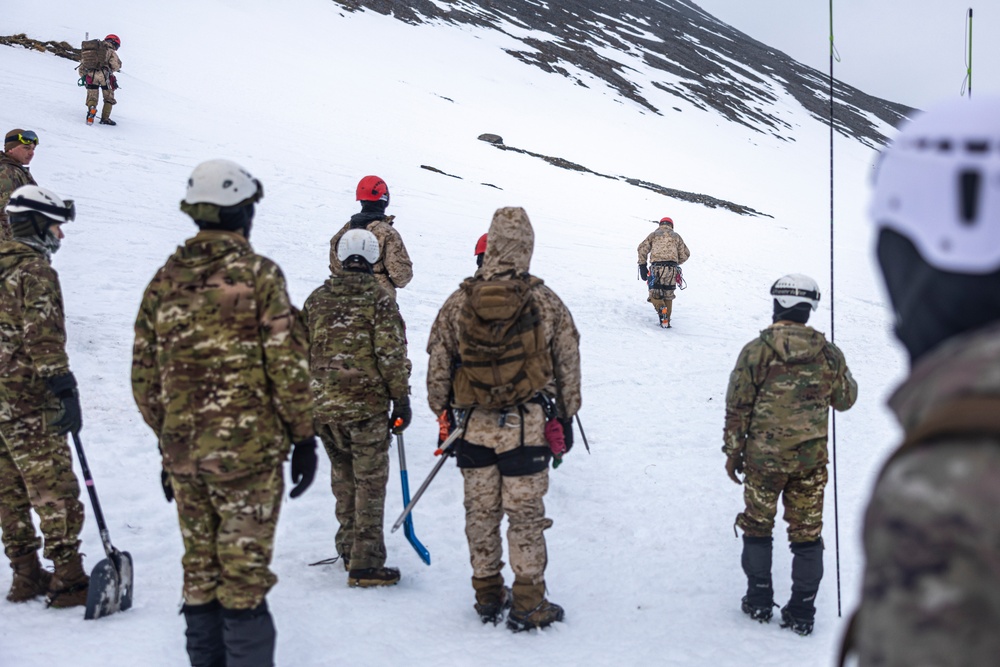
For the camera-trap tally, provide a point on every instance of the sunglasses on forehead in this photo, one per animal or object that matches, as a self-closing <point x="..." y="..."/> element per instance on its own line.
<point x="27" y="138"/>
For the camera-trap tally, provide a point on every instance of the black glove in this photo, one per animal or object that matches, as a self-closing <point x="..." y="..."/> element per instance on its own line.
<point x="401" y="415"/>
<point x="64" y="387"/>
<point x="168" y="489"/>
<point x="567" y="426"/>
<point x="734" y="466"/>
<point x="643" y="273"/>
<point x="303" y="465"/>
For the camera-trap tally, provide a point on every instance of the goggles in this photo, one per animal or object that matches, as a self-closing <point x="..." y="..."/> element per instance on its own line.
<point x="67" y="211"/>
<point x="27" y="138"/>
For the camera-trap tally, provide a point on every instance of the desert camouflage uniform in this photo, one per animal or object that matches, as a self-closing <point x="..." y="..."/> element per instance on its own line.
<point x="357" y="357"/>
<point x="931" y="592"/>
<point x="777" y="410"/>
<point x="489" y="494"/>
<point x="393" y="268"/>
<point x="665" y="250"/>
<point x="220" y="373"/>
<point x="100" y="79"/>
<point x="13" y="175"/>
<point x="36" y="467"/>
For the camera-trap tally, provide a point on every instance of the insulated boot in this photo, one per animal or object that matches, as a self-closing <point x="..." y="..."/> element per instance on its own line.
<point x="205" y="644"/>
<point x="758" y="603"/>
<point x="373" y="576"/>
<point x="91" y="114"/>
<point x="30" y="579"/>
<point x="664" y="318"/>
<point x="492" y="598"/>
<point x="249" y="637"/>
<point x="106" y="115"/>
<point x="531" y="609"/>
<point x="68" y="587"/>
<point x="807" y="572"/>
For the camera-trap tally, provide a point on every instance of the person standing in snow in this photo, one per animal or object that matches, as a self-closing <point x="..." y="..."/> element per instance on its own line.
<point x="393" y="269"/>
<point x="357" y="357"/>
<point x="102" y="77"/>
<point x="665" y="251"/>
<point x="19" y="149"/>
<point x="931" y="586"/>
<point x="39" y="405"/>
<point x="220" y="372"/>
<point x="504" y="452"/>
<point x="777" y="409"/>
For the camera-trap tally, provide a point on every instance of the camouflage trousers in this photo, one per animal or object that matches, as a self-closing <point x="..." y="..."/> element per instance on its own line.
<point x="931" y="591"/>
<point x="36" y="472"/>
<point x="228" y="530"/>
<point x="801" y="493"/>
<point x="359" y="462"/>
<point x="488" y="496"/>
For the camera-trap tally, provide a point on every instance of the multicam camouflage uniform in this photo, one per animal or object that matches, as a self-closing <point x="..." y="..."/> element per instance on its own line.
<point x="393" y="268"/>
<point x="777" y="410"/>
<point x="931" y="592"/>
<point x="665" y="250"/>
<point x="357" y="357"/>
<point x="220" y="373"/>
<point x="36" y="467"/>
<point x="13" y="175"/>
<point x="496" y="433"/>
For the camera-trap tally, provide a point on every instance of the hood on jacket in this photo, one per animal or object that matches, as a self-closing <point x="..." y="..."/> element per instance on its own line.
<point x="512" y="241"/>
<point x="205" y="253"/>
<point x="13" y="253"/>
<point x="793" y="342"/>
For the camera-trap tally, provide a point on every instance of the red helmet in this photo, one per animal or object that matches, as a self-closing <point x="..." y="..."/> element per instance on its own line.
<point x="373" y="188"/>
<point x="668" y="221"/>
<point x="114" y="39"/>
<point x="481" y="245"/>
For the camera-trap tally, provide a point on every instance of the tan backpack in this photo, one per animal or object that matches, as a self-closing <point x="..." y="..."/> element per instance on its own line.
<point x="503" y="358"/>
<point x="94" y="54"/>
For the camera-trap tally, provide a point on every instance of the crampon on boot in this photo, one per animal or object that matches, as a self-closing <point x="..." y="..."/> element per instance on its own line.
<point x="91" y="114"/>
<point x="760" y="614"/>
<point x="492" y="607"/>
<point x="799" y="626"/>
<point x="664" y="318"/>
<point x="373" y="576"/>
<point x="30" y="578"/>
<point x="542" y="616"/>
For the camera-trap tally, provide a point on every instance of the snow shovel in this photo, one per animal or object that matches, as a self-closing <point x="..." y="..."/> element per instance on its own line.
<point x="411" y="536"/>
<point x="111" y="579"/>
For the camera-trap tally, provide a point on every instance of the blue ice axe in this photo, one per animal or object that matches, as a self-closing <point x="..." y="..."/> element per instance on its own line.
<point x="411" y="536"/>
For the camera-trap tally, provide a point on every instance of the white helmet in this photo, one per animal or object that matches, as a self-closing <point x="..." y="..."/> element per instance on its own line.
<point x="223" y="183"/>
<point x="795" y="288"/>
<point x="938" y="185"/>
<point x="359" y="242"/>
<point x="29" y="198"/>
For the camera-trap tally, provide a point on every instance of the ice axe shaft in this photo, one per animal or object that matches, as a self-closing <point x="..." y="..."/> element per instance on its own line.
<point x="442" y="451"/>
<point x="411" y="535"/>
<point x="582" y="432"/>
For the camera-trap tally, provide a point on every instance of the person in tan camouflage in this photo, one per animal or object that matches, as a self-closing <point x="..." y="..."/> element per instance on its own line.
<point x="393" y="269"/>
<point x="39" y="404"/>
<point x="19" y="149"/>
<point x="102" y="78"/>
<point x="220" y="372"/>
<point x="665" y="251"/>
<point x="357" y="356"/>
<point x="503" y="454"/>
<point x="931" y="586"/>
<point x="777" y="408"/>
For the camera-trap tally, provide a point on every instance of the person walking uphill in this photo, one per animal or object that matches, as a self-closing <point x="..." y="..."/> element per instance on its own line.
<point x="504" y="350"/>
<point x="220" y="373"/>
<point x="393" y="269"/>
<point x="39" y="404"/>
<point x="665" y="250"/>
<point x="98" y="63"/>
<point x="931" y="585"/>
<point x="777" y="409"/>
<point x="357" y="357"/>
<point x="19" y="149"/>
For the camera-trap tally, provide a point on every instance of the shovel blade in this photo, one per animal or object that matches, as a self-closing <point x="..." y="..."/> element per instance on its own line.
<point x="110" y="586"/>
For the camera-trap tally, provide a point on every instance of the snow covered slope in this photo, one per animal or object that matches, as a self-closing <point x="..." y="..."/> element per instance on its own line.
<point x="310" y="97"/>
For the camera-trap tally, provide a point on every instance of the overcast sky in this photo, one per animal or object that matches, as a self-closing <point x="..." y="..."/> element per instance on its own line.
<point x="907" y="51"/>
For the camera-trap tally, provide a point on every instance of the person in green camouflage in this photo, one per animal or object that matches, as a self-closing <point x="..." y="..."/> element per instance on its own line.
<point x="220" y="373"/>
<point x="777" y="408"/>
<point x="39" y="404"/>
<point x="357" y="356"/>
<point x="19" y="149"/>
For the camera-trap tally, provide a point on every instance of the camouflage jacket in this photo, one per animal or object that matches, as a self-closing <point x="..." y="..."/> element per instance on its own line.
<point x="219" y="366"/>
<point x="779" y="398"/>
<point x="508" y="254"/>
<point x="13" y="175"/>
<point x="32" y="329"/>
<point x="357" y="349"/>
<point x="393" y="268"/>
<point x="663" y="245"/>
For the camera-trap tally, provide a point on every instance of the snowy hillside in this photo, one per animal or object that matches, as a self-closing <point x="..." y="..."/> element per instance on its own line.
<point x="310" y="97"/>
